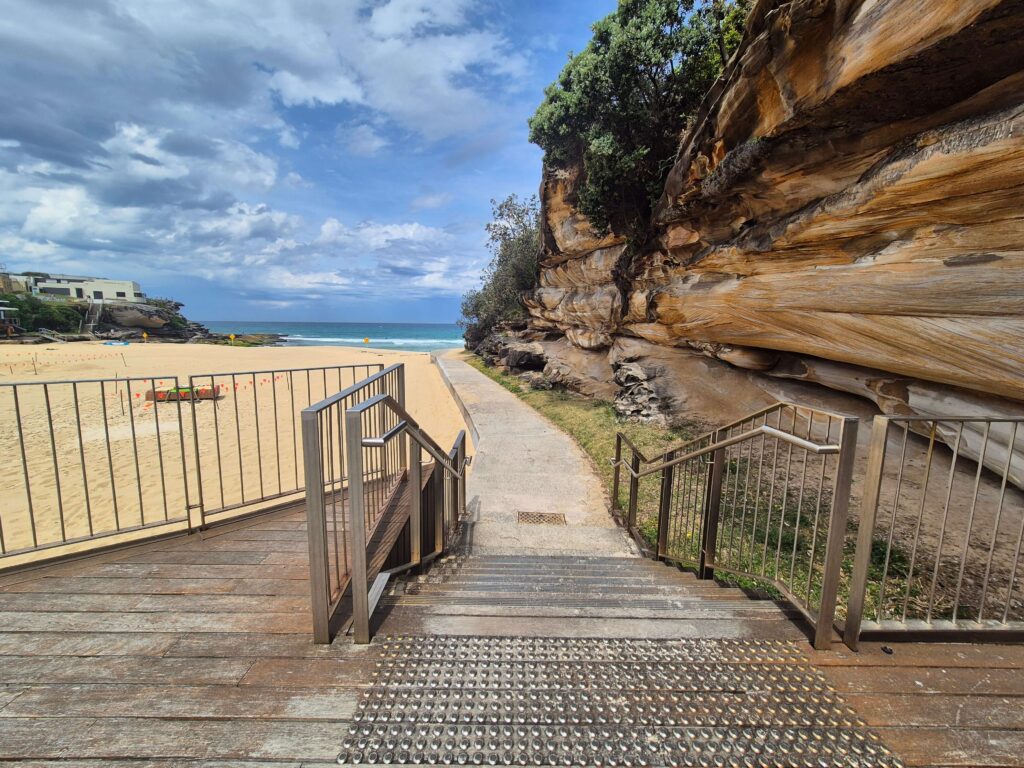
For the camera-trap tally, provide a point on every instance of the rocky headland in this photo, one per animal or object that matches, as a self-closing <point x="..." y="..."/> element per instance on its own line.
<point x="843" y="218"/>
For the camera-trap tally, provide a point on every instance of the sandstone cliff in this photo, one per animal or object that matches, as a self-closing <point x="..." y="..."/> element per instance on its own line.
<point x="847" y="209"/>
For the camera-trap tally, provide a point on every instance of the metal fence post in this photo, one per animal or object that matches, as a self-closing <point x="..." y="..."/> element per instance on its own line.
<point x="416" y="510"/>
<point x="836" y="536"/>
<point x="615" y="474"/>
<point x="709" y="516"/>
<point x="461" y="466"/>
<point x="357" y="535"/>
<point x="634" y="492"/>
<point x="316" y="525"/>
<point x="866" y="531"/>
<point x="437" y="481"/>
<point x="665" y="505"/>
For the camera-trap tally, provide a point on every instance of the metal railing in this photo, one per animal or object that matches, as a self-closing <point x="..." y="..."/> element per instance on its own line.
<point x="357" y="456"/>
<point x="248" y="436"/>
<point x="765" y="498"/>
<point x="88" y="459"/>
<point x="939" y="545"/>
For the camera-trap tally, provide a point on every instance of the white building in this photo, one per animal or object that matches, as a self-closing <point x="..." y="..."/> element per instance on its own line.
<point x="8" y="314"/>
<point x="75" y="287"/>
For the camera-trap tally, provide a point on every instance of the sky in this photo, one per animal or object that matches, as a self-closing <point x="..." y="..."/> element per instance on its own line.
<point x="273" y="159"/>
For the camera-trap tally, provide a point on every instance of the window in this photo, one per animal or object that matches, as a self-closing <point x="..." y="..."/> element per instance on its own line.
<point x="97" y="294"/>
<point x="120" y="294"/>
<point x="55" y="291"/>
<point x="79" y="293"/>
<point x="139" y="295"/>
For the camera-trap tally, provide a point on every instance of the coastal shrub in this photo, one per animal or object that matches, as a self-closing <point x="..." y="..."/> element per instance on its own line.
<point x="618" y="108"/>
<point x="33" y="313"/>
<point x="514" y="242"/>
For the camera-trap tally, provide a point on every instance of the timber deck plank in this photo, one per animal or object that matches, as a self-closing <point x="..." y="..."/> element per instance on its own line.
<point x="196" y="653"/>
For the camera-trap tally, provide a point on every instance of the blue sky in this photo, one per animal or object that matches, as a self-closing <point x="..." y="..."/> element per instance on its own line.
<point x="273" y="159"/>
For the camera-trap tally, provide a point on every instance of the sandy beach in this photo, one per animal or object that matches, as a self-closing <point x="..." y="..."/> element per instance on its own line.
<point x="120" y="460"/>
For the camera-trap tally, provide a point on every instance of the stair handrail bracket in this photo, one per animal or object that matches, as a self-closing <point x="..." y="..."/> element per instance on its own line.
<point x="765" y="498"/>
<point x="383" y="500"/>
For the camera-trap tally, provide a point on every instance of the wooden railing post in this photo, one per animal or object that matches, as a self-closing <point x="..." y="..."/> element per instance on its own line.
<point x="866" y="531"/>
<point x="357" y="534"/>
<point x="665" y="505"/>
<point x="836" y="536"/>
<point x="709" y="516"/>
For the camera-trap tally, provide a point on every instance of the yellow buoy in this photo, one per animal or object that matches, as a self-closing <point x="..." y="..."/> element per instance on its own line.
<point x="366" y="341"/>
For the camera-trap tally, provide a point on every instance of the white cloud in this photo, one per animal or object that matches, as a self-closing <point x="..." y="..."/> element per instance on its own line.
<point x="430" y="200"/>
<point x="362" y="140"/>
<point x="150" y="127"/>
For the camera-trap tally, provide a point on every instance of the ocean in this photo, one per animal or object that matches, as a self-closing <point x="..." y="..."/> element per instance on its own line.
<point x="408" y="337"/>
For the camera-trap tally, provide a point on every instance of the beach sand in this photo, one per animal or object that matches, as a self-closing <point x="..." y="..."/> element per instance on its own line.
<point x="121" y="461"/>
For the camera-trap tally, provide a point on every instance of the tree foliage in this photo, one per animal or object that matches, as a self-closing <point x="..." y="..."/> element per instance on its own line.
<point x="514" y="242"/>
<point x="619" y="106"/>
<point x="34" y="313"/>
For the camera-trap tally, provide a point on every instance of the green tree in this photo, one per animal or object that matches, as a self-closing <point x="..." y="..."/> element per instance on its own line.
<point x="34" y="314"/>
<point x="514" y="242"/>
<point x="619" y="106"/>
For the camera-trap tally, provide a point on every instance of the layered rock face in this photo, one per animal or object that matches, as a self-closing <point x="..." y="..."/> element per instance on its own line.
<point x="847" y="209"/>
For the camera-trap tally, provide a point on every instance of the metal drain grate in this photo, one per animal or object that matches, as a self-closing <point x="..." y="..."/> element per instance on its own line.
<point x="541" y="518"/>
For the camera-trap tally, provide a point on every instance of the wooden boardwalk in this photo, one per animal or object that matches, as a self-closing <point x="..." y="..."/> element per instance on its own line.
<point x="196" y="651"/>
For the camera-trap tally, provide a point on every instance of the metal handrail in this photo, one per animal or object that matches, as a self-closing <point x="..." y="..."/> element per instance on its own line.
<point x="408" y="425"/>
<point x="808" y="445"/>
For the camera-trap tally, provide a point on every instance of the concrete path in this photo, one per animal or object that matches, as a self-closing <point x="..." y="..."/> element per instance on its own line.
<point x="523" y="463"/>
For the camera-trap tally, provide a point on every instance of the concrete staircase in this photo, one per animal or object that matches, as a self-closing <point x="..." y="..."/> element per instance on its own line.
<point x="601" y="661"/>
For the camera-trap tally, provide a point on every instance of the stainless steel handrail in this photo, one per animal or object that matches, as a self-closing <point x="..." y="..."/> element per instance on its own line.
<point x="807" y="445"/>
<point x="407" y="424"/>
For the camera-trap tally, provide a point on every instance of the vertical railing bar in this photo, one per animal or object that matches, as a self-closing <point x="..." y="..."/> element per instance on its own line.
<point x="195" y="443"/>
<point x="664" y="501"/>
<point x="757" y="496"/>
<point x="216" y="434"/>
<point x="110" y="456"/>
<point x="181" y="442"/>
<point x="817" y="511"/>
<point x="325" y="418"/>
<point x="135" y="452"/>
<point x="799" y="510"/>
<point x="24" y="466"/>
<point x="785" y="496"/>
<point x="81" y="457"/>
<point x="159" y="448"/>
<point x="295" y="446"/>
<point x="945" y="519"/>
<point x="995" y="529"/>
<point x="56" y="467"/>
<point x="634" y="492"/>
<point x="416" y="506"/>
<point x="970" y="521"/>
<point x="770" y="512"/>
<point x="259" y="440"/>
<point x="892" y="521"/>
<point x="277" y="433"/>
<point x="615" y="472"/>
<point x="238" y="438"/>
<point x="734" y="500"/>
<point x="920" y="517"/>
